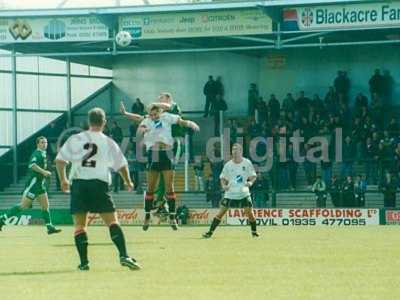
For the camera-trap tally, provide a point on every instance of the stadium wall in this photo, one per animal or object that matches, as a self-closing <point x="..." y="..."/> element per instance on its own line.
<point x="184" y="75"/>
<point x="310" y="69"/>
<point x="314" y="70"/>
<point x="294" y="217"/>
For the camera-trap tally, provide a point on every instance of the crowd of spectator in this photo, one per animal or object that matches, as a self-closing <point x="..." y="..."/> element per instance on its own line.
<point x="369" y="132"/>
<point x="368" y="128"/>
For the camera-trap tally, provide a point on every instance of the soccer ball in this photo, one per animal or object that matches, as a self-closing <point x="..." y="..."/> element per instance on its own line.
<point x="123" y="38"/>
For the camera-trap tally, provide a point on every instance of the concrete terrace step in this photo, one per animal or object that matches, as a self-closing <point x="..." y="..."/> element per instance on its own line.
<point x="192" y="200"/>
<point x="301" y="200"/>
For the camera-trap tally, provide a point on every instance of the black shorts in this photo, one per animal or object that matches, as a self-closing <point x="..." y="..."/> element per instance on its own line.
<point x="159" y="160"/>
<point x="91" y="195"/>
<point x="237" y="203"/>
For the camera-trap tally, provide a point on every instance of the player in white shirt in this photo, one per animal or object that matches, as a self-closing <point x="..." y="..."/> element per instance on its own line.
<point x="157" y="137"/>
<point x="93" y="155"/>
<point x="237" y="176"/>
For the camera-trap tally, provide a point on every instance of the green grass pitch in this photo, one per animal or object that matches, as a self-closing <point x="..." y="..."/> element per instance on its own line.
<point x="284" y="263"/>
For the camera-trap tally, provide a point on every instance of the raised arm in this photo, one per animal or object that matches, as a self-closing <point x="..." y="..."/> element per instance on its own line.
<point x="134" y="117"/>
<point x="189" y="124"/>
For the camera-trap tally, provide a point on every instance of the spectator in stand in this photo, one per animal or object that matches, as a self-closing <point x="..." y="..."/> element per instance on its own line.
<point x="292" y="167"/>
<point x="349" y="154"/>
<point x="138" y="107"/>
<point x="326" y="168"/>
<point x="388" y="86"/>
<point x="393" y="128"/>
<point x="255" y="129"/>
<point x="283" y="174"/>
<point x="116" y="133"/>
<point x="360" y="187"/>
<point x="262" y="109"/>
<point x="371" y="166"/>
<point x="213" y="191"/>
<point x="396" y="165"/>
<point x="217" y="165"/>
<point x="253" y="97"/>
<point x="342" y="85"/>
<point x="357" y="133"/>
<point x="348" y="192"/>
<point x="306" y="130"/>
<point x="344" y="112"/>
<point x="219" y="105"/>
<point x="388" y="187"/>
<point x="360" y="102"/>
<point x="331" y="100"/>
<point x="274" y="107"/>
<point x="363" y="113"/>
<point x="318" y="105"/>
<point x="198" y="167"/>
<point x="376" y="84"/>
<point x="335" y="190"/>
<point x="219" y="87"/>
<point x="310" y="168"/>
<point x="260" y="191"/>
<point x="302" y="105"/>
<point x="233" y="131"/>
<point x="319" y="188"/>
<point x="385" y="160"/>
<point x="288" y="104"/>
<point x="377" y="111"/>
<point x="209" y="90"/>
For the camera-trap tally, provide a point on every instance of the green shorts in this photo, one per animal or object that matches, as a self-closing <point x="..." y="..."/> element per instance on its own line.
<point x="34" y="188"/>
<point x="237" y="203"/>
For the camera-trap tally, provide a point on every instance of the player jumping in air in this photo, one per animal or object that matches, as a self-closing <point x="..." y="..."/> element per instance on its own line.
<point x="157" y="129"/>
<point x="166" y="103"/>
<point x="157" y="136"/>
<point x="92" y="155"/>
<point x="35" y="187"/>
<point x="237" y="176"/>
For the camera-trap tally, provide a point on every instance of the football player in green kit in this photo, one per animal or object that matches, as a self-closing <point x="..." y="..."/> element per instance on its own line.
<point x="35" y="187"/>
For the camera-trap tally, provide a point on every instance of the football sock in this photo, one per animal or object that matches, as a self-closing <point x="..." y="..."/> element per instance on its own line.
<point x="81" y="243"/>
<point x="171" y="205"/>
<point x="148" y="204"/>
<point x="214" y="224"/>
<point x="117" y="236"/>
<point x="47" y="219"/>
<point x="253" y="226"/>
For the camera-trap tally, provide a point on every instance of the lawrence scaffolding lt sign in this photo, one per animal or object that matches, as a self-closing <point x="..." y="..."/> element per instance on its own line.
<point x="307" y="217"/>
